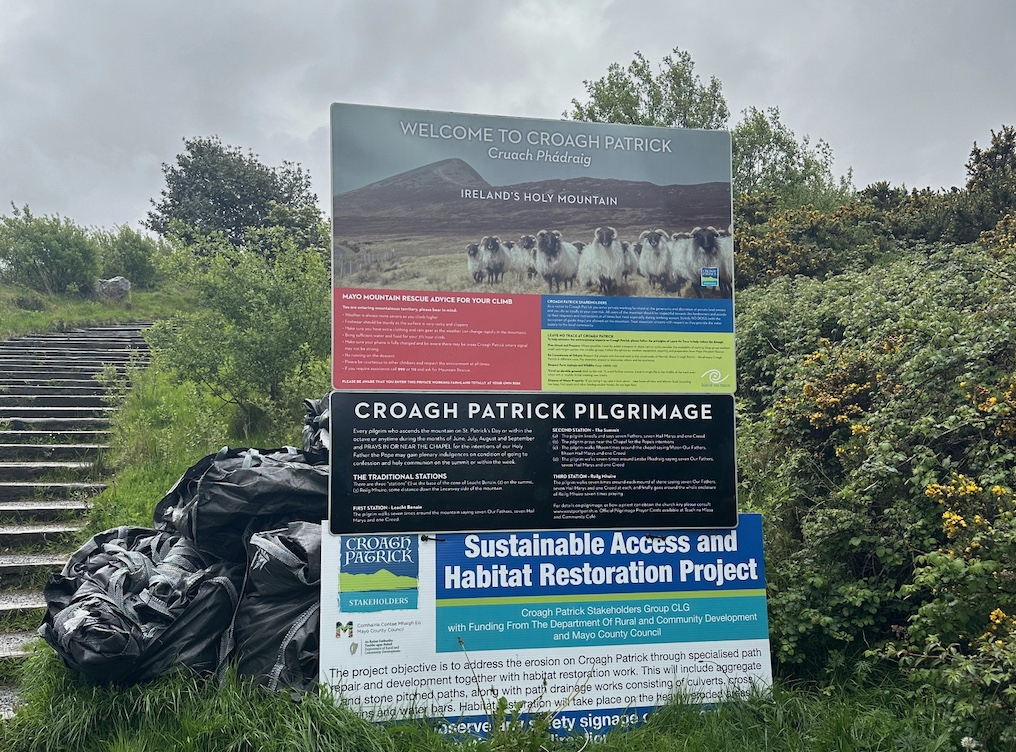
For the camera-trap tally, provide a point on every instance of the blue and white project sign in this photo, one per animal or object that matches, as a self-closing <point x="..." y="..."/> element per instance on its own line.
<point x="597" y="627"/>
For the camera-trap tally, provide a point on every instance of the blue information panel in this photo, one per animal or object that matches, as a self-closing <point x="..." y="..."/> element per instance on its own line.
<point x="596" y="626"/>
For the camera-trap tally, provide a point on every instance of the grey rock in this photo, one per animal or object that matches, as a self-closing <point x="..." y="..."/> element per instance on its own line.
<point x="114" y="289"/>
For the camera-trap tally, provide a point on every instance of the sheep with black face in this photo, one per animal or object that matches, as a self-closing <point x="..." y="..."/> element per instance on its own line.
<point x="602" y="261"/>
<point x="556" y="260"/>
<point x="493" y="258"/>
<point x="706" y="248"/>
<point x="655" y="261"/>
<point x="473" y="264"/>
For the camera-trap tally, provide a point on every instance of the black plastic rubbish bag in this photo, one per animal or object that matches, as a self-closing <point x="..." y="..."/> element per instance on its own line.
<point x="132" y="603"/>
<point x="225" y="497"/>
<point x="276" y="629"/>
<point x="317" y="436"/>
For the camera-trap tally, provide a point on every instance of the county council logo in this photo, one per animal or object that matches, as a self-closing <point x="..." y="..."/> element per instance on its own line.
<point x="715" y="376"/>
<point x="343" y="629"/>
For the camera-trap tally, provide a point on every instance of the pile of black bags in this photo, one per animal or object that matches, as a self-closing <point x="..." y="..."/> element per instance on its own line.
<point x="230" y="573"/>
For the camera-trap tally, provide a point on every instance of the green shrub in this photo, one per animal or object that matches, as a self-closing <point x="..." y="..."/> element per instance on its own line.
<point x="130" y="254"/>
<point x="853" y="407"/>
<point x="47" y="254"/>
<point x="160" y="429"/>
<point x="803" y="242"/>
<point x="263" y="331"/>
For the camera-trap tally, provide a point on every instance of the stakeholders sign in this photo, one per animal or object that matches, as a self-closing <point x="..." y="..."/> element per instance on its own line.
<point x="598" y="626"/>
<point x="484" y="253"/>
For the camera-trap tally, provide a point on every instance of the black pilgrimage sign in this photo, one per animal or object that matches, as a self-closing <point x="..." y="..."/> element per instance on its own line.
<point x="467" y="461"/>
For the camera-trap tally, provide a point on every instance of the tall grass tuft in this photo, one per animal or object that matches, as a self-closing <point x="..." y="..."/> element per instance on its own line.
<point x="160" y="430"/>
<point x="62" y="711"/>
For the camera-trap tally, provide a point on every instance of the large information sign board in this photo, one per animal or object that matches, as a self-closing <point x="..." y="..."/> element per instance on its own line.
<point x="533" y="490"/>
<point x="596" y="627"/>
<point x="482" y="253"/>
<point x="406" y="462"/>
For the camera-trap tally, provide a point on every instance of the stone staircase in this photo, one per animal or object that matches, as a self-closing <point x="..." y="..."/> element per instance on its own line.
<point x="53" y="435"/>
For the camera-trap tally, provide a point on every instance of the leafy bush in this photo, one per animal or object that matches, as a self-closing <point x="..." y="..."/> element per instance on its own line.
<point x="961" y="641"/>
<point x="876" y="433"/>
<point x="130" y="254"/>
<point x="953" y="216"/>
<point x="213" y="187"/>
<point x="991" y="174"/>
<point x="47" y="254"/>
<point x="804" y="241"/>
<point x="263" y="334"/>
<point x="956" y="215"/>
<point x="769" y="159"/>
<point x="672" y="96"/>
<point x="853" y="407"/>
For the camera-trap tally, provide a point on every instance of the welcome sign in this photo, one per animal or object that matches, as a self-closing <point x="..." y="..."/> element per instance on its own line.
<point x="475" y="252"/>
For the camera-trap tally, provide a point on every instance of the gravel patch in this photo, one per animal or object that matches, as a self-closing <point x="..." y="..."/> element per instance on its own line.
<point x="8" y="699"/>
<point x="12" y="644"/>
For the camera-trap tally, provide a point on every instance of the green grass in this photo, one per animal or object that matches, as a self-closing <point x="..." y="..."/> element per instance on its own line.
<point x="24" y="620"/>
<point x="24" y="311"/>
<point x="160" y="430"/>
<point x="62" y="711"/>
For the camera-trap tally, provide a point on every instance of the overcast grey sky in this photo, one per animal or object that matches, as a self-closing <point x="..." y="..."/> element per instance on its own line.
<point x="96" y="95"/>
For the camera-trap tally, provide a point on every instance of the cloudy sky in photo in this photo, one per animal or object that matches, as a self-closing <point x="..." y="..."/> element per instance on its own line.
<point x="95" y="96"/>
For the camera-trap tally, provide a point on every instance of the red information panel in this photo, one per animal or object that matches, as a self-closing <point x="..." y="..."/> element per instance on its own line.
<point x="420" y="340"/>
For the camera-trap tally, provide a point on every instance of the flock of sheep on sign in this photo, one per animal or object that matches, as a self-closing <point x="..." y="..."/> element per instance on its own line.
<point x="672" y="262"/>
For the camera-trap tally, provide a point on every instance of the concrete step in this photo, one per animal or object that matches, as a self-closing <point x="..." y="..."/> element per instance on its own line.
<point x="38" y="490"/>
<point x="8" y="413"/>
<point x="27" y="355"/>
<point x="38" y="452"/>
<point x="50" y="355"/>
<point x="48" y="375"/>
<point x="29" y="349"/>
<point x="19" y="385"/>
<point x="28" y="535"/>
<point x="16" y="602"/>
<point x="27" y="471"/>
<point x="55" y="347"/>
<point x="10" y="368"/>
<point x="94" y="339"/>
<point x="21" y="611"/>
<point x="54" y="424"/>
<point x="54" y="437"/>
<point x="22" y="571"/>
<point x="95" y="334"/>
<point x="42" y="510"/>
<point x="52" y="400"/>
<point x="14" y="645"/>
<point x="20" y="366"/>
